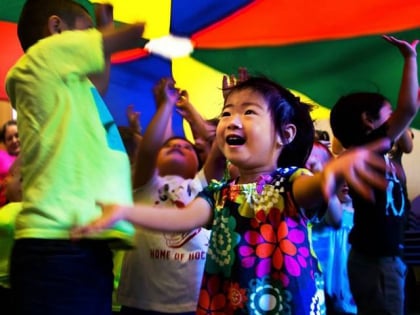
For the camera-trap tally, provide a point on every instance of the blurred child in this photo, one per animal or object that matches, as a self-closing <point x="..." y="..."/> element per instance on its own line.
<point x="9" y="137"/>
<point x="331" y="223"/>
<point x="72" y="156"/>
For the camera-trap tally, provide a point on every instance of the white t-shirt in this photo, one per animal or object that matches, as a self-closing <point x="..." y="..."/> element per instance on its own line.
<point x="164" y="272"/>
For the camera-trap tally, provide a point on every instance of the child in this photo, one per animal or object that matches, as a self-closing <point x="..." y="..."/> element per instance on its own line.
<point x="72" y="156"/>
<point x="259" y="258"/>
<point x="9" y="136"/>
<point x="376" y="271"/>
<point x="162" y="274"/>
<point x="330" y="226"/>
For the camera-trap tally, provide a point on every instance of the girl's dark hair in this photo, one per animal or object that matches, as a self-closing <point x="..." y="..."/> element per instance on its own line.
<point x="285" y="109"/>
<point x="346" y="117"/>
<point x="34" y="17"/>
<point x="3" y="129"/>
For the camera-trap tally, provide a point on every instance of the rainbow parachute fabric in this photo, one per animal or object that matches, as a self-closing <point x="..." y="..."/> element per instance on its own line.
<point x="319" y="49"/>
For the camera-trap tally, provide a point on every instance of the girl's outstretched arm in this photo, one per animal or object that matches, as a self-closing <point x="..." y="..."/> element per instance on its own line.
<point x="196" y="214"/>
<point x="363" y="169"/>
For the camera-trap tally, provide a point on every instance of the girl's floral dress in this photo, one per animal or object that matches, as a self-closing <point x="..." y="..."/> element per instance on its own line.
<point x="259" y="260"/>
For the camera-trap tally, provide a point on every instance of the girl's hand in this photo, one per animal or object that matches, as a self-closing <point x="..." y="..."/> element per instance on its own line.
<point x="111" y="213"/>
<point x="363" y="169"/>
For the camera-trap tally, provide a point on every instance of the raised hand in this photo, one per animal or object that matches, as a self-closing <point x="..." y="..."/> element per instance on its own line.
<point x="230" y="81"/>
<point x="133" y="118"/>
<point x="407" y="49"/>
<point x="165" y="92"/>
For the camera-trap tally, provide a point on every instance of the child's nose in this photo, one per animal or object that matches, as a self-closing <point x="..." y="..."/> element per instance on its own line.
<point x="235" y="123"/>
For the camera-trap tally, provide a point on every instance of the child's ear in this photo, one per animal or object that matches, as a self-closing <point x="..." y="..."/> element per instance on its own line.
<point x="55" y="25"/>
<point x="289" y="133"/>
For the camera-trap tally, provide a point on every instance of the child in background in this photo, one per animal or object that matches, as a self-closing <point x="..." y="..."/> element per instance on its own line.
<point x="168" y="173"/>
<point x="337" y="286"/>
<point x="259" y="259"/>
<point x="376" y="270"/>
<point x="9" y="137"/>
<point x="331" y="225"/>
<point x="72" y="156"/>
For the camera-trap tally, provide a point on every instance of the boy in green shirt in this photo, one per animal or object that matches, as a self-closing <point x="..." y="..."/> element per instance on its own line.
<point x="72" y="157"/>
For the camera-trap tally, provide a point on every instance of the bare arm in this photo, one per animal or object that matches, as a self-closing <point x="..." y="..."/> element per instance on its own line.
<point x="133" y="118"/>
<point x="197" y="123"/>
<point x="334" y="213"/>
<point x="153" y="137"/>
<point x="104" y="15"/>
<point x="405" y="142"/>
<point x="362" y="168"/>
<point x="215" y="164"/>
<point x="407" y="100"/>
<point x="196" y="214"/>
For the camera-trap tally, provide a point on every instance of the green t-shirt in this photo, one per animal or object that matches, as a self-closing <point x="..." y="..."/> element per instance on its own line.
<point x="72" y="154"/>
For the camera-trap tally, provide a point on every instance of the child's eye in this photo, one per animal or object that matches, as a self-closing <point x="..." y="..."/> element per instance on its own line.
<point x="224" y="114"/>
<point x="249" y="112"/>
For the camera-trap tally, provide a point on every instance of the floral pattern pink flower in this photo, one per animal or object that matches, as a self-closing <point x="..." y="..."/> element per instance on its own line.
<point x="276" y="243"/>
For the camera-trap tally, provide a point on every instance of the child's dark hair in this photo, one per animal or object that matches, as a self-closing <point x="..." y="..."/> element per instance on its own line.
<point x="3" y="129"/>
<point x="34" y="17"/>
<point x="285" y="109"/>
<point x="346" y="117"/>
<point x="200" y="163"/>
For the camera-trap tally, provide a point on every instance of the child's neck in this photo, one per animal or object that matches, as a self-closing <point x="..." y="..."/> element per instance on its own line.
<point x="251" y="176"/>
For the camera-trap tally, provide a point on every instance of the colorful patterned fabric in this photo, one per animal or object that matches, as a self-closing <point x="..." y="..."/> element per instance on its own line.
<point x="260" y="259"/>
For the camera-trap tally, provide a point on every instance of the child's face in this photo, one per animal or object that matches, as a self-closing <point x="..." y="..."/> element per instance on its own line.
<point x="177" y="157"/>
<point x="343" y="194"/>
<point x="246" y="134"/>
<point x="11" y="140"/>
